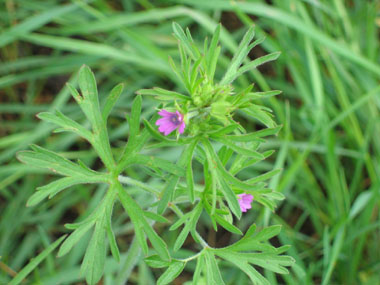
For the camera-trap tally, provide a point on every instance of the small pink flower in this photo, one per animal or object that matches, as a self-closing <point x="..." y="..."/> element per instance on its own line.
<point x="245" y="201"/>
<point x="170" y="121"/>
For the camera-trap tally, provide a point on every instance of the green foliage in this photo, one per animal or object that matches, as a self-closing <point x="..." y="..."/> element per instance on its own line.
<point x="325" y="161"/>
<point x="100" y="218"/>
<point x="222" y="181"/>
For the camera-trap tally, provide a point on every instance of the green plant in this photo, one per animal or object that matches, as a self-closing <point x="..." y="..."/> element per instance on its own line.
<point x="209" y="106"/>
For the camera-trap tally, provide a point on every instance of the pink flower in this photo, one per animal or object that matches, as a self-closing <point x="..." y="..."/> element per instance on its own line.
<point x="170" y="121"/>
<point x="245" y="201"/>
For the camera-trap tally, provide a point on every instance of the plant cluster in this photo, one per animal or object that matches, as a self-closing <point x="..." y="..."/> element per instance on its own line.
<point x="202" y="122"/>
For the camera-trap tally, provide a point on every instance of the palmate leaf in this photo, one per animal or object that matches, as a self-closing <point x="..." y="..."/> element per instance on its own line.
<point x="253" y="250"/>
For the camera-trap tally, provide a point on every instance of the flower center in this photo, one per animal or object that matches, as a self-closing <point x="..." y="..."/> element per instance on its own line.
<point x="175" y="120"/>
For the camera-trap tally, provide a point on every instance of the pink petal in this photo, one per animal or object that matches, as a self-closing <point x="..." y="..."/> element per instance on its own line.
<point x="181" y="128"/>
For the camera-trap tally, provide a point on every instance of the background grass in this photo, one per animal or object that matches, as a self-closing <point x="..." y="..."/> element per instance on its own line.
<point x="329" y="148"/>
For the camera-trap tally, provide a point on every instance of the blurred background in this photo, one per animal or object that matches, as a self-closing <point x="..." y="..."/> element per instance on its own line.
<point x="329" y="147"/>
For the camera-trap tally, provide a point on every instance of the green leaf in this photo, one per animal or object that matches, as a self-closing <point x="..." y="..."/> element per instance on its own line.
<point x="34" y="262"/>
<point x="228" y="226"/>
<point x="212" y="269"/>
<point x="94" y="258"/>
<point x="66" y="123"/>
<point x="189" y="171"/>
<point x="75" y="237"/>
<point x="258" y="95"/>
<point x="261" y="115"/>
<point x="134" y="126"/>
<point x="182" y="237"/>
<point x="111" y="236"/>
<point x="241" y="150"/>
<point x="157" y="242"/>
<point x="239" y="57"/>
<point x="137" y="216"/>
<point x="213" y="53"/>
<point x="171" y="273"/>
<point x="263" y="177"/>
<point x="185" y="41"/>
<point x="151" y="161"/>
<point x="252" y="273"/>
<point x="268" y="233"/>
<point x="156" y="262"/>
<point x="163" y="94"/>
<point x="214" y="162"/>
<point x="111" y="100"/>
<point x="89" y="101"/>
<point x="155" y="217"/>
<point x="54" y="188"/>
<point x="54" y="162"/>
<point x="255" y="63"/>
<point x="167" y="194"/>
<point x="223" y="131"/>
<point x="180" y="221"/>
<point x="255" y="135"/>
<point x="198" y="269"/>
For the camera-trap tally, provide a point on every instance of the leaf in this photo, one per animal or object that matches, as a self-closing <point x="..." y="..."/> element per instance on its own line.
<point x="35" y="261"/>
<point x="212" y="269"/>
<point x="185" y="41"/>
<point x="255" y="63"/>
<point x="54" y="162"/>
<point x="189" y="171"/>
<point x="89" y="102"/>
<point x="255" y="135"/>
<point x="180" y="221"/>
<point x="151" y="161"/>
<point x="163" y="94"/>
<point x="263" y="177"/>
<point x="228" y="226"/>
<point x="54" y="188"/>
<point x="257" y="112"/>
<point x="155" y="217"/>
<point x="137" y="216"/>
<point x="171" y="273"/>
<point x="223" y="131"/>
<point x="111" y="236"/>
<point x="268" y="233"/>
<point x="198" y="269"/>
<point x="239" y="57"/>
<point x="181" y="237"/>
<point x="241" y="150"/>
<point x="158" y="244"/>
<point x="252" y="273"/>
<point x="75" y="237"/>
<point x="167" y="194"/>
<point x="156" y="262"/>
<point x="213" y="53"/>
<point x="134" y="125"/>
<point x="66" y="123"/>
<point x="94" y="258"/>
<point x="111" y="100"/>
<point x="229" y="195"/>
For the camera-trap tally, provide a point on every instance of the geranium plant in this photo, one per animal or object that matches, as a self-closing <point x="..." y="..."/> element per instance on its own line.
<point x="203" y="122"/>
